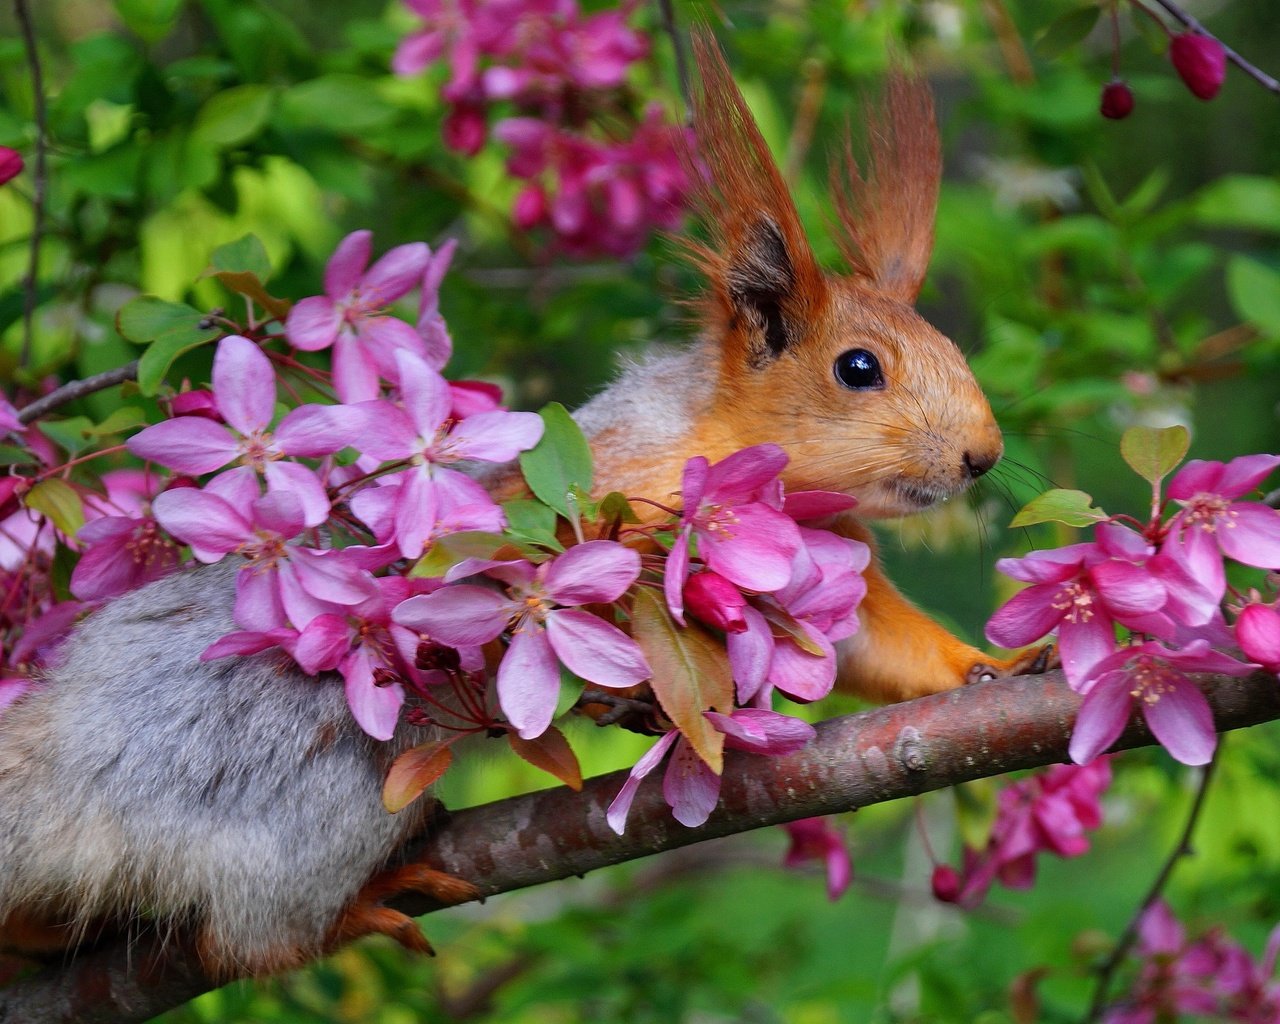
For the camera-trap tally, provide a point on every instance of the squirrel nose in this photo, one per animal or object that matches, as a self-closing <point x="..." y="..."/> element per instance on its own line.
<point x="979" y="464"/>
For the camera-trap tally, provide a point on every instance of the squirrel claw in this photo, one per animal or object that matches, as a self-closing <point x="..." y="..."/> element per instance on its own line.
<point x="1033" y="662"/>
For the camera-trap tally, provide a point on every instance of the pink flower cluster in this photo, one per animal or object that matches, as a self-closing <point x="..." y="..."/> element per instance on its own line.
<point x="1208" y="977"/>
<point x="1165" y="583"/>
<point x="601" y="178"/>
<point x="1049" y="811"/>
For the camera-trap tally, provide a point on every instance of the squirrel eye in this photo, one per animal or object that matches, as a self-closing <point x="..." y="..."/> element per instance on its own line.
<point x="858" y="370"/>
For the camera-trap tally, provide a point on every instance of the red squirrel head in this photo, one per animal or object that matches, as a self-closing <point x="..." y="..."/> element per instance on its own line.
<point x="864" y="395"/>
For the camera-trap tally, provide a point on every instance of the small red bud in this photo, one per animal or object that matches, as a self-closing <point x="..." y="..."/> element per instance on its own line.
<point x="530" y="207"/>
<point x="717" y="602"/>
<point x="10" y="164"/>
<point x="1200" y="61"/>
<point x="464" y="129"/>
<point x="946" y="883"/>
<point x="1117" y="100"/>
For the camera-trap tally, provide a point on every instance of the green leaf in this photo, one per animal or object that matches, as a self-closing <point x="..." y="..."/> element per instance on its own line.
<point x="453" y="548"/>
<point x="12" y="456"/>
<point x="559" y="462"/>
<point x="232" y="116"/>
<point x="690" y="673"/>
<point x="73" y="434"/>
<point x="1152" y="452"/>
<point x="154" y="363"/>
<point x="1254" y="289"/>
<point x="614" y="508"/>
<point x="550" y="752"/>
<point x="150" y="19"/>
<point x="145" y="318"/>
<point x="1075" y="508"/>
<point x="246" y="255"/>
<point x="976" y="807"/>
<point x="127" y="417"/>
<point x="1064" y="32"/>
<point x="413" y="771"/>
<point x="532" y="521"/>
<point x="58" y="500"/>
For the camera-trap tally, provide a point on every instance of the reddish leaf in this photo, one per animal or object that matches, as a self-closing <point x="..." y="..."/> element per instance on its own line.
<point x="690" y="673"/>
<point x="413" y="771"/>
<point x="550" y="752"/>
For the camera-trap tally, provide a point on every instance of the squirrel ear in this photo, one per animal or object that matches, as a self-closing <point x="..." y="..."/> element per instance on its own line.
<point x="887" y="215"/>
<point x="765" y="282"/>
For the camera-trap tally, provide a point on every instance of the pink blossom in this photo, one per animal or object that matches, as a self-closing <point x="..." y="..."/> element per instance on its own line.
<point x="1046" y="812"/>
<point x="1258" y="634"/>
<point x="1211" y="523"/>
<point x="283" y="584"/>
<point x="1082" y="591"/>
<point x="1150" y="677"/>
<point x="540" y="607"/>
<point x="351" y="316"/>
<point x="245" y="391"/>
<point x="11" y="688"/>
<point x="9" y="417"/>
<point x="690" y="788"/>
<point x="739" y="536"/>
<point x="817" y="839"/>
<point x="423" y="432"/>
<point x="11" y="164"/>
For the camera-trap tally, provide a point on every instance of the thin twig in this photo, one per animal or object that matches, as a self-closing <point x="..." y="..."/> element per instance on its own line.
<point x="40" y="175"/>
<point x="1252" y="70"/>
<point x="1107" y="971"/>
<point x="677" y="44"/>
<point x="77" y="389"/>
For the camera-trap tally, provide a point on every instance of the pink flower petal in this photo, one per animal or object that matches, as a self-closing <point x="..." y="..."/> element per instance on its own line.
<point x="1195" y="477"/>
<point x="188" y="444"/>
<point x="328" y="576"/>
<point x="258" y="607"/>
<point x="804" y="505"/>
<point x="1127" y="589"/>
<point x="1025" y="617"/>
<point x="238" y="487"/>
<point x="495" y="436"/>
<point x="417" y="507"/>
<point x="1053" y="566"/>
<point x="394" y="274"/>
<point x="346" y="265"/>
<point x="1244" y="474"/>
<point x="750" y="654"/>
<point x="802" y="676"/>
<point x="599" y="571"/>
<point x="244" y="384"/>
<point x="1251" y="535"/>
<point x="690" y="787"/>
<point x="459" y="615"/>
<point x="1082" y="644"/>
<point x="313" y="323"/>
<point x="596" y="650"/>
<point x="323" y="644"/>
<point x="762" y="732"/>
<point x="13" y="687"/>
<point x="386" y="432"/>
<point x="616" y="816"/>
<point x="529" y="683"/>
<point x="242" y="643"/>
<point x="1258" y="633"/>
<point x="1181" y="720"/>
<point x="314" y="430"/>
<point x="299" y="604"/>
<point x="355" y="376"/>
<point x="375" y="708"/>
<point x="1104" y="712"/>
<point x="756" y="551"/>
<point x="738" y="477"/>
<point x="383" y="337"/>
<point x="197" y="518"/>
<point x="425" y="394"/>
<point x="296" y="479"/>
<point x="279" y="512"/>
<point x="693" y="482"/>
<point x="674" y="574"/>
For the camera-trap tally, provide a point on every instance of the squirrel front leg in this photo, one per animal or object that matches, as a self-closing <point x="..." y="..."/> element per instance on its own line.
<point x="899" y="652"/>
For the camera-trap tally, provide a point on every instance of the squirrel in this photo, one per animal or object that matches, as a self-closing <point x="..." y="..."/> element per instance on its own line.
<point x="237" y="800"/>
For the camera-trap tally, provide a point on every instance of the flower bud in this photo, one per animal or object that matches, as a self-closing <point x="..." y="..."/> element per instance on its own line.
<point x="1200" y="61"/>
<point x="195" y="403"/>
<point x="10" y="164"/>
<point x="1117" y="100"/>
<point x="464" y="129"/>
<point x="530" y="208"/>
<point x="946" y="884"/>
<point x="1258" y="634"/>
<point x="717" y="602"/>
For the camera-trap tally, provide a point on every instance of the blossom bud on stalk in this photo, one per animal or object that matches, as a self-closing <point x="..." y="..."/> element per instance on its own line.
<point x="717" y="602"/>
<point x="1200" y="61"/>
<point x="1117" y="100"/>
<point x="11" y="164"/>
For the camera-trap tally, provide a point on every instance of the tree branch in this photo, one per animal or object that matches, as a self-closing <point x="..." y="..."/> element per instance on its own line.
<point x="69" y="392"/>
<point x="857" y="760"/>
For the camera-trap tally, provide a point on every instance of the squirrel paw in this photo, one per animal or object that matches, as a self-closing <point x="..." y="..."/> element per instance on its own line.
<point x="365" y="915"/>
<point x="1032" y="662"/>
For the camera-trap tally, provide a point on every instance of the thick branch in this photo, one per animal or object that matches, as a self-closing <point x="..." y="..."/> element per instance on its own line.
<point x="878" y="755"/>
<point x="77" y="389"/>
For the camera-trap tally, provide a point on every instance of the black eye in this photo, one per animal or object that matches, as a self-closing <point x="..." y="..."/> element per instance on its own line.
<point x="859" y="370"/>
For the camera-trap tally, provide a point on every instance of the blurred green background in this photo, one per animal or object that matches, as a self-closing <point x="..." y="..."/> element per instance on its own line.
<point x="1098" y="274"/>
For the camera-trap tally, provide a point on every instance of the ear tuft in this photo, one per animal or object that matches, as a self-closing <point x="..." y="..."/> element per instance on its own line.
<point x="887" y="215"/>
<point x="765" y="282"/>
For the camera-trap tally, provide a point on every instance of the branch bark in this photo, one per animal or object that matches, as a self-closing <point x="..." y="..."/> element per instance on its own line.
<point x="856" y="760"/>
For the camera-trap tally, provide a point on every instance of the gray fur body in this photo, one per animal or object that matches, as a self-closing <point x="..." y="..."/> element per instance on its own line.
<point x="236" y="794"/>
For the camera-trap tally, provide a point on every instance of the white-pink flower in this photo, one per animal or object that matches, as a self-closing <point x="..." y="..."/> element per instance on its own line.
<point x="351" y="314"/>
<point x="244" y="387"/>
<point x="540" y="606"/>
